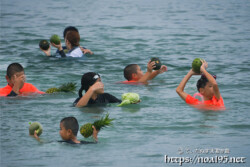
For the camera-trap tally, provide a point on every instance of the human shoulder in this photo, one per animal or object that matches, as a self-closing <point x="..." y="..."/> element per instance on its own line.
<point x="75" y="52"/>
<point x="5" y="90"/>
<point x="191" y="100"/>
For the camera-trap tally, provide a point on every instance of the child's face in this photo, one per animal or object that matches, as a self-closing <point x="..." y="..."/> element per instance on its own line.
<point x="139" y="72"/>
<point x="14" y="77"/>
<point x="65" y="135"/>
<point x="208" y="90"/>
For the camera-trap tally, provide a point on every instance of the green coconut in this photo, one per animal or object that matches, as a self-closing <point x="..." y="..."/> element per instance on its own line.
<point x="157" y="63"/>
<point x="44" y="44"/>
<point x="129" y="98"/>
<point x="196" y="65"/>
<point x="55" y="39"/>
<point x="35" y="126"/>
<point x="86" y="130"/>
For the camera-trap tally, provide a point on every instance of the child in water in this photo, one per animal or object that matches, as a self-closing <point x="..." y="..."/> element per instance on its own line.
<point x="16" y="80"/>
<point x="94" y="91"/>
<point x="64" y="48"/>
<point x="207" y="87"/>
<point x="72" y="40"/>
<point x="134" y="74"/>
<point x="68" y="131"/>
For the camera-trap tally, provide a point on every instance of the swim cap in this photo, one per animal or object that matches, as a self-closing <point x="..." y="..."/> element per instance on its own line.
<point x="88" y="79"/>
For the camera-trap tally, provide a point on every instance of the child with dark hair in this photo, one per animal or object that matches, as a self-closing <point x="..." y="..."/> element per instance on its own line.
<point x="94" y="91"/>
<point x="134" y="74"/>
<point x="63" y="50"/>
<point x="68" y="131"/>
<point x="207" y="87"/>
<point x="17" y="82"/>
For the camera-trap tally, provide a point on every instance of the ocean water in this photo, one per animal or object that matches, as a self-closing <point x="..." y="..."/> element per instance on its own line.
<point x="120" y="33"/>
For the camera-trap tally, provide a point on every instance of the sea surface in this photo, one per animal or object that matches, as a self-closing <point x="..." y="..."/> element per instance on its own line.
<point x="119" y="33"/>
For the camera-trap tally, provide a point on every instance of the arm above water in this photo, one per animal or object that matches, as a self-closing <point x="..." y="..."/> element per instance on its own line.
<point x="180" y="88"/>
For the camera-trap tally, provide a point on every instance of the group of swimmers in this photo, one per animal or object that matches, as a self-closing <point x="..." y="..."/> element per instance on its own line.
<point x="94" y="88"/>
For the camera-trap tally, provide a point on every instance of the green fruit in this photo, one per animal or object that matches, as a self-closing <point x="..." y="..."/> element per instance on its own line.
<point x="44" y="44"/>
<point x="68" y="87"/>
<point x="157" y="63"/>
<point x="35" y="126"/>
<point x="196" y="65"/>
<point x="52" y="90"/>
<point x="86" y="130"/>
<point x="55" y="39"/>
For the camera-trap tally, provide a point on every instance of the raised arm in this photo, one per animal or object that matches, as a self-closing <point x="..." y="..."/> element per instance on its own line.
<point x="146" y="76"/>
<point x="18" y="82"/>
<point x="60" y="49"/>
<point x="86" y="97"/>
<point x="157" y="72"/>
<point x="211" y="79"/>
<point x="180" y="88"/>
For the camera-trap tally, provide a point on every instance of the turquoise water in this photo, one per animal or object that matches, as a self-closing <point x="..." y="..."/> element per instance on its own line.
<point x="120" y="33"/>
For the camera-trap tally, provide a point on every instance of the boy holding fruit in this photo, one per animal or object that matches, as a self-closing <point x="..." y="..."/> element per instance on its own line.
<point x="207" y="87"/>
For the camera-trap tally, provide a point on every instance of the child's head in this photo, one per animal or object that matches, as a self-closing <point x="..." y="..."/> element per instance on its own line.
<point x="69" y="128"/>
<point x="14" y="69"/>
<point x="132" y="72"/>
<point x="73" y="38"/>
<point x="88" y="79"/>
<point x="69" y="28"/>
<point x="205" y="87"/>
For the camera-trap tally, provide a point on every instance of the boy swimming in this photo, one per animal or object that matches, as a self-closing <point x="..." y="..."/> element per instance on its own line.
<point x="16" y="80"/>
<point x="68" y="131"/>
<point x="207" y="87"/>
<point x="135" y="75"/>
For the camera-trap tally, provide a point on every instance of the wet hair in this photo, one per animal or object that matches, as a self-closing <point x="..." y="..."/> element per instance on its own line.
<point x="129" y="70"/>
<point x="69" y="28"/>
<point x="88" y="79"/>
<point x="71" y="123"/>
<point x="14" y="68"/>
<point x="201" y="83"/>
<point x="73" y="37"/>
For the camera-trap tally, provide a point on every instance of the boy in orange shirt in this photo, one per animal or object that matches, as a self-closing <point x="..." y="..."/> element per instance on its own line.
<point x="16" y="82"/>
<point x="208" y="88"/>
<point x="135" y="75"/>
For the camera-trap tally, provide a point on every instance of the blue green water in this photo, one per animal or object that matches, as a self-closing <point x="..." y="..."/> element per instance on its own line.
<point x="120" y="33"/>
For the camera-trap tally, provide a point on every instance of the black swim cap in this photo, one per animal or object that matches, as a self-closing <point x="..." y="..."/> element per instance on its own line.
<point x="88" y="79"/>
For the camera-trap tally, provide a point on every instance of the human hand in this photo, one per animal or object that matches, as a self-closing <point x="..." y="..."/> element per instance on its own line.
<point x="162" y="69"/>
<point x="35" y="135"/>
<point x="86" y="51"/>
<point x="59" y="46"/>
<point x="47" y="52"/>
<point x="150" y="66"/>
<point x="18" y="82"/>
<point x="191" y="72"/>
<point x="203" y="66"/>
<point x="95" y="133"/>
<point x="97" y="86"/>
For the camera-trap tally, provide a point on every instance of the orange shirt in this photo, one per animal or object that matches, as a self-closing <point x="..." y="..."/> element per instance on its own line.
<point x="132" y="82"/>
<point x="26" y="89"/>
<point x="212" y="104"/>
